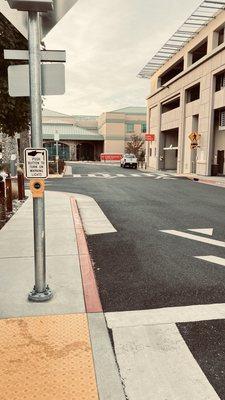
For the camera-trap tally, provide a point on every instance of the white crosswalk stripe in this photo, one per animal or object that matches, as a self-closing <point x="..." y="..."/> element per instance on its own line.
<point x="150" y="175"/>
<point x="137" y="175"/>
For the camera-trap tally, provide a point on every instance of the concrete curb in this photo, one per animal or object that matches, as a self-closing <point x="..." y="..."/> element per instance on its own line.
<point x="55" y="176"/>
<point x="91" y="295"/>
<point x="206" y="181"/>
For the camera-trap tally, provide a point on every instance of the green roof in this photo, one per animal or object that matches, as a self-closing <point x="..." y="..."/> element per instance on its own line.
<point x="130" y="110"/>
<point x="51" y="113"/>
<point x="69" y="132"/>
<point x="86" y="117"/>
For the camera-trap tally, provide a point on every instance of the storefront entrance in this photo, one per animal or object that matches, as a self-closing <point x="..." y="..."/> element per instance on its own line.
<point x="85" y="152"/>
<point x="63" y="149"/>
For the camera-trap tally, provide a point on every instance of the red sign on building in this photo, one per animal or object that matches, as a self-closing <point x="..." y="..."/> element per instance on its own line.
<point x="111" y="156"/>
<point x="149" y="137"/>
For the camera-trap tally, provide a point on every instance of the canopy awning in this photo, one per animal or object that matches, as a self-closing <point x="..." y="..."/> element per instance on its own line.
<point x="200" y="18"/>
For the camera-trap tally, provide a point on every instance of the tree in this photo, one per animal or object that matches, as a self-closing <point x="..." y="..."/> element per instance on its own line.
<point x="135" y="145"/>
<point x="14" y="111"/>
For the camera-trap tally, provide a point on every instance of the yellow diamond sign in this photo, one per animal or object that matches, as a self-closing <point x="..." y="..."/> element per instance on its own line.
<point x="194" y="137"/>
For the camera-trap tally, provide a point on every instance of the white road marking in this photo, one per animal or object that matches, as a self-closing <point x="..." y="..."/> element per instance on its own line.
<point x="208" y="232"/>
<point x="213" y="242"/>
<point x="136" y="175"/>
<point x="163" y="363"/>
<point x="213" y="259"/>
<point x="150" y="175"/>
<point x="110" y="176"/>
<point x="161" y="176"/>
<point x="169" y="315"/>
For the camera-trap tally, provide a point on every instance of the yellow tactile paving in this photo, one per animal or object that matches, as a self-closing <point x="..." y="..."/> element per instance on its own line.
<point x="46" y="358"/>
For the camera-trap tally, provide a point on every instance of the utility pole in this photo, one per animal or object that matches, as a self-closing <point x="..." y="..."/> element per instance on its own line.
<point x="43" y="66"/>
<point x="41" y="291"/>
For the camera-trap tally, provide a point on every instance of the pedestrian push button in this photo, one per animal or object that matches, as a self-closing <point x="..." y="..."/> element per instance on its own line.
<point x="37" y="187"/>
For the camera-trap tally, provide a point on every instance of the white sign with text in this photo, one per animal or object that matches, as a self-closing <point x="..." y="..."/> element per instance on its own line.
<point x="36" y="163"/>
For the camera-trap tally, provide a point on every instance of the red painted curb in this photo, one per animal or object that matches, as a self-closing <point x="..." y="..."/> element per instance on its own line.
<point x="91" y="295"/>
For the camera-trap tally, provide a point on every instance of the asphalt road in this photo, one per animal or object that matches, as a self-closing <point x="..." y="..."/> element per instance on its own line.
<point x="140" y="267"/>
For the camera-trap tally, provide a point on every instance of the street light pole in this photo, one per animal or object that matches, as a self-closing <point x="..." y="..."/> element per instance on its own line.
<point x="41" y="291"/>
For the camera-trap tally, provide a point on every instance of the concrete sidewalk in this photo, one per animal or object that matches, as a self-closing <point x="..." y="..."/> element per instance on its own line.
<point x="208" y="180"/>
<point x="59" y="349"/>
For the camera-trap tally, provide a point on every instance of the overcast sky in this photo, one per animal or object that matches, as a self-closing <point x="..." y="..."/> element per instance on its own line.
<point x="107" y="43"/>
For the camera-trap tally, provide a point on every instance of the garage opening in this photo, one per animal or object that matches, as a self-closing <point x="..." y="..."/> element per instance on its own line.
<point x="170" y="149"/>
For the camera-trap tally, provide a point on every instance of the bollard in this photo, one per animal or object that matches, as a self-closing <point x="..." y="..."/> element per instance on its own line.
<point x="2" y="201"/>
<point x="23" y="186"/>
<point x="21" y="190"/>
<point x="8" y="189"/>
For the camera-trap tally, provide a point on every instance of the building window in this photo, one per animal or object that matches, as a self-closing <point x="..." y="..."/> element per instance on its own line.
<point x="195" y="123"/>
<point x="220" y="81"/>
<point x="222" y="119"/>
<point x="130" y="128"/>
<point x="171" y="105"/>
<point x="193" y="93"/>
<point x="143" y="128"/>
<point x="218" y="36"/>
<point x="221" y="36"/>
<point x="175" y="70"/>
<point x="198" y="52"/>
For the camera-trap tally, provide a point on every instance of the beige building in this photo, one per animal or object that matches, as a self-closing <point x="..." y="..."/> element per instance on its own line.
<point x="84" y="137"/>
<point x="187" y="95"/>
<point x="118" y="126"/>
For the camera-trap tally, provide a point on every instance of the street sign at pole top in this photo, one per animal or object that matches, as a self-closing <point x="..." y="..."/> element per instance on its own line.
<point x="48" y="19"/>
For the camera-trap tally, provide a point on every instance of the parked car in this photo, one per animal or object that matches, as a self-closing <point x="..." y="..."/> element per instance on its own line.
<point x="129" y="160"/>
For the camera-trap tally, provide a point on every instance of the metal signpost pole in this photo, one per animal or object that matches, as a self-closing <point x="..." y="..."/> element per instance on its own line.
<point x="41" y="291"/>
<point x="57" y="157"/>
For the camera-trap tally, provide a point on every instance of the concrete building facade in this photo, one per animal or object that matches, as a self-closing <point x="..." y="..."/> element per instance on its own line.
<point x="188" y="96"/>
<point x="118" y="126"/>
